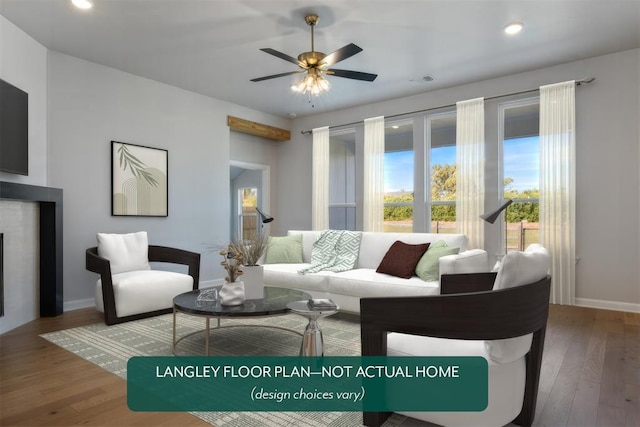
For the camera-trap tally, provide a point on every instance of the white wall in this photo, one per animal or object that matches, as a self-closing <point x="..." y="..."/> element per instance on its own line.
<point x="608" y="166"/>
<point x="89" y="106"/>
<point x="23" y="63"/>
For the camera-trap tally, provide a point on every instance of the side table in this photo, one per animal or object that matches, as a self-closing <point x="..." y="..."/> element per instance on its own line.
<point x="312" y="341"/>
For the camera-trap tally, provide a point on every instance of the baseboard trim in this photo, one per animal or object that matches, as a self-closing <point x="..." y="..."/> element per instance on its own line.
<point x="608" y="305"/>
<point x="78" y="304"/>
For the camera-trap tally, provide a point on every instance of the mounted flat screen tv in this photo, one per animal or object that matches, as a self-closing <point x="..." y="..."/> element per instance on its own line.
<point x="14" y="129"/>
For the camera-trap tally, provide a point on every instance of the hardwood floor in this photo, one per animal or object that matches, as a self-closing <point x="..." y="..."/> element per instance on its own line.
<point x="590" y="369"/>
<point x="590" y="376"/>
<point x="42" y="384"/>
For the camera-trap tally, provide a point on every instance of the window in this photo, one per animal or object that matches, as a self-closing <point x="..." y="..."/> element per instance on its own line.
<point x="521" y="173"/>
<point x="398" y="177"/>
<point x="247" y="215"/>
<point x="441" y="130"/>
<point x="342" y="177"/>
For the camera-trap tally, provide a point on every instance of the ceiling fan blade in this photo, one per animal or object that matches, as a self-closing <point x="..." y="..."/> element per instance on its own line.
<point x="340" y="55"/>
<point x="283" y="56"/>
<point x="275" y="76"/>
<point x="356" y="75"/>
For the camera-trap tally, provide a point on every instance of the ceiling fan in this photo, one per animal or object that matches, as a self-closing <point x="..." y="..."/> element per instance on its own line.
<point x="317" y="64"/>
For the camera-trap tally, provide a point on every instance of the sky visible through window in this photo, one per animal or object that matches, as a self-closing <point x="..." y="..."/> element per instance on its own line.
<point x="521" y="160"/>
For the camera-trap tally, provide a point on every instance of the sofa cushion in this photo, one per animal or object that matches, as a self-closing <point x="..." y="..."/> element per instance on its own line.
<point x="428" y="267"/>
<point x="145" y="290"/>
<point x="125" y="252"/>
<point x="366" y="282"/>
<point x="471" y="261"/>
<point x="284" y="250"/>
<point x="401" y="259"/>
<point x="517" y="269"/>
<point x="286" y="276"/>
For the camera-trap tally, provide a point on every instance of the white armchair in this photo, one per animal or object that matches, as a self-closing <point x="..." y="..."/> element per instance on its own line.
<point x="504" y="324"/>
<point x="128" y="289"/>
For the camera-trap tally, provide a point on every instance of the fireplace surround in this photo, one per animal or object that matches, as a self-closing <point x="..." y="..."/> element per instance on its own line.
<point x="50" y="202"/>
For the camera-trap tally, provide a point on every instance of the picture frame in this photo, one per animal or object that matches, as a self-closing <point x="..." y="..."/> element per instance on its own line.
<point x="139" y="180"/>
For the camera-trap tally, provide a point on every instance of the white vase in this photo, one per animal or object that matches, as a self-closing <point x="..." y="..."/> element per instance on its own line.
<point x="232" y="293"/>
<point x="253" y="278"/>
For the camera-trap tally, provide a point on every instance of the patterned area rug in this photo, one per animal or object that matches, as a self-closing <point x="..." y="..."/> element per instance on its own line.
<point x="109" y="347"/>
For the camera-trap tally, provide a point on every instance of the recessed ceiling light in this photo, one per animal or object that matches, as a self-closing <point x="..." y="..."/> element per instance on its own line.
<point x="513" y="28"/>
<point x="82" y="4"/>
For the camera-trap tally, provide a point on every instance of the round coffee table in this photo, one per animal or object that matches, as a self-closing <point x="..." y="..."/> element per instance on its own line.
<point x="198" y="303"/>
<point x="312" y="341"/>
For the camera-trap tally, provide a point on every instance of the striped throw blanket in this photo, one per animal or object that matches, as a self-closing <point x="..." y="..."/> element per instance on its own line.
<point x="335" y="250"/>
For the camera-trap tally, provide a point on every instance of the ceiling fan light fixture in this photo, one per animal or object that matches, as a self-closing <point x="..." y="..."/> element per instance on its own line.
<point x="313" y="84"/>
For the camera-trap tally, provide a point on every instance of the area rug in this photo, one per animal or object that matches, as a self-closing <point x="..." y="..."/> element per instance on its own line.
<point x="110" y="347"/>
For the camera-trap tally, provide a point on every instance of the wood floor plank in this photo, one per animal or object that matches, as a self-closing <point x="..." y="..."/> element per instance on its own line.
<point x="632" y="405"/>
<point x="584" y="407"/>
<point x="594" y="358"/>
<point x="609" y="416"/>
<point x="632" y="319"/>
<point x="558" y="406"/>
<point x="613" y="380"/>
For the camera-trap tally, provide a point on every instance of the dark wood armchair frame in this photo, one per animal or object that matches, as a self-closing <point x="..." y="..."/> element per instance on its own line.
<point x="477" y="314"/>
<point x="102" y="266"/>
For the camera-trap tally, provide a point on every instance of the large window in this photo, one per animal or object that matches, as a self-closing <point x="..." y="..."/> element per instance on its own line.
<point x="420" y="173"/>
<point x="398" y="177"/>
<point x="521" y="173"/>
<point x="342" y="181"/>
<point x="442" y="172"/>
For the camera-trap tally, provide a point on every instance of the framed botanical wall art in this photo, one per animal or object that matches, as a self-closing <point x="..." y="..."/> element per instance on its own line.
<point x="139" y="180"/>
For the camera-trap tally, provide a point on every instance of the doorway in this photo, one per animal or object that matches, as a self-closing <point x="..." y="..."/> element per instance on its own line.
<point x="249" y="188"/>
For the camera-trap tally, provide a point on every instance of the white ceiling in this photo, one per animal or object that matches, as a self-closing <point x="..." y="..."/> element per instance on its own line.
<point x="212" y="46"/>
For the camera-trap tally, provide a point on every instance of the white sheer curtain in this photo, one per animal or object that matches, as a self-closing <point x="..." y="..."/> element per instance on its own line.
<point x="470" y="170"/>
<point x="320" y="179"/>
<point x="373" y="181"/>
<point x="557" y="186"/>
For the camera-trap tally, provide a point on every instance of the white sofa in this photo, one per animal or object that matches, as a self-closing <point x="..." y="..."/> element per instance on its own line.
<point x="346" y="288"/>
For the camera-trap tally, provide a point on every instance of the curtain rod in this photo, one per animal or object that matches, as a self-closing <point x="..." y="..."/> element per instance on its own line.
<point x="580" y="82"/>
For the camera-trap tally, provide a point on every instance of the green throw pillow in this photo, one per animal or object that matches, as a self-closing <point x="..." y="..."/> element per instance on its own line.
<point x="428" y="268"/>
<point x="284" y="250"/>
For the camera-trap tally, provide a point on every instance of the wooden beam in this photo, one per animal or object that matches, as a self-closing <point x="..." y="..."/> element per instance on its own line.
<point x="258" y="129"/>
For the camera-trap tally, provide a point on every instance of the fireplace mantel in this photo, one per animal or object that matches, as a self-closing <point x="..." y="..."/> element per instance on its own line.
<point x="50" y="201"/>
